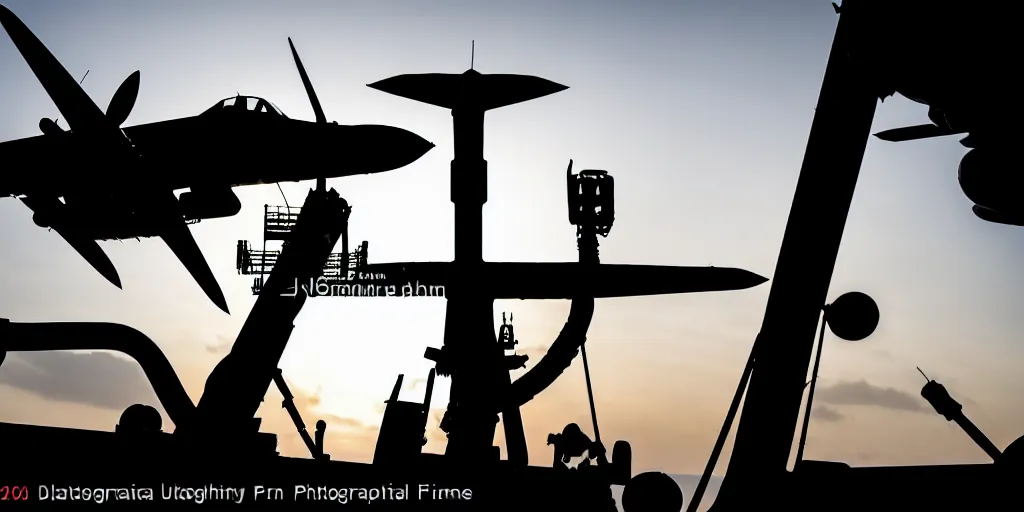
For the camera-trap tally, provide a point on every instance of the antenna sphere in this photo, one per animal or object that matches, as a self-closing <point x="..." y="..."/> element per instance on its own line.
<point x="140" y="418"/>
<point x="853" y="316"/>
<point x="652" y="492"/>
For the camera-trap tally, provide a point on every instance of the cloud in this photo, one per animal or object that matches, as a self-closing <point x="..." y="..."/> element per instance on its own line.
<point x="865" y="457"/>
<point x="100" y="379"/>
<point x="823" y="413"/>
<point x="863" y="393"/>
<point x="222" y="346"/>
<point x="881" y="354"/>
<point x="535" y="352"/>
<point x="95" y="378"/>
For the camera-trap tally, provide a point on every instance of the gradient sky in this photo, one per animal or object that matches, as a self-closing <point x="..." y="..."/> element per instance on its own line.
<point x="700" y="110"/>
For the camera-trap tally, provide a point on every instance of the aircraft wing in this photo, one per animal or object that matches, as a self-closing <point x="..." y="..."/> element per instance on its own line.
<point x="92" y="125"/>
<point x="566" y="280"/>
<point x="30" y="152"/>
<point x="921" y="131"/>
<point x="75" y="105"/>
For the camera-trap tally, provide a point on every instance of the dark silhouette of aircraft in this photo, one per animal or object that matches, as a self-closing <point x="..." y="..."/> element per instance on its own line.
<point x="176" y="154"/>
<point x="964" y="92"/>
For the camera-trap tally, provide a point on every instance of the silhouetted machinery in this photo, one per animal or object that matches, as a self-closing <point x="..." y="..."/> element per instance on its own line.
<point x="315" y="446"/>
<point x="508" y="341"/>
<point x="880" y="47"/>
<point x="220" y="435"/>
<point x="944" y="404"/>
<point x="591" y="195"/>
<point x="403" y="428"/>
<point x="341" y="267"/>
<point x="985" y="180"/>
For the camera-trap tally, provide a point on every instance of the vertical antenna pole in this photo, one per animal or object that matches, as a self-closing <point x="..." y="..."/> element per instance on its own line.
<point x="922" y="374"/>
<point x="472" y="53"/>
<point x="810" y="393"/>
<point x="723" y="434"/>
<point x="590" y="392"/>
<point x="263" y="255"/>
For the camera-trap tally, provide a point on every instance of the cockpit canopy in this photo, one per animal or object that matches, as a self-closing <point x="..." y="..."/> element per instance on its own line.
<point x="245" y="104"/>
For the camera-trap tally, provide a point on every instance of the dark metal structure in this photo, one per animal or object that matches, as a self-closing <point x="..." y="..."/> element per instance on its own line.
<point x="880" y="48"/>
<point x="480" y="386"/>
<point x="469" y="334"/>
<point x="278" y="221"/>
<point x="873" y="41"/>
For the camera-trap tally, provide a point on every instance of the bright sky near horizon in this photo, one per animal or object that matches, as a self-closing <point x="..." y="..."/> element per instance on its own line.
<point x="700" y="110"/>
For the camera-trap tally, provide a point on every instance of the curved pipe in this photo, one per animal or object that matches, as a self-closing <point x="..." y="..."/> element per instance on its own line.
<point x="558" y="357"/>
<point x="572" y="336"/>
<point x="47" y="336"/>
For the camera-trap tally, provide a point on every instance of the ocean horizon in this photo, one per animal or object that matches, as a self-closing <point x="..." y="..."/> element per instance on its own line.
<point x="687" y="483"/>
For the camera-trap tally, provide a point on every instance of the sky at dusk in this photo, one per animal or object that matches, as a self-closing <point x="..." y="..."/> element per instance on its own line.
<point x="699" y="109"/>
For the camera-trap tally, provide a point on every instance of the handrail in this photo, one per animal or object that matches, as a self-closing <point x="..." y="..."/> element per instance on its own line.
<point x="54" y="336"/>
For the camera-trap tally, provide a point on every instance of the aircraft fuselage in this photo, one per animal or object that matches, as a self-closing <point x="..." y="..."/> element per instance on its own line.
<point x="222" y="151"/>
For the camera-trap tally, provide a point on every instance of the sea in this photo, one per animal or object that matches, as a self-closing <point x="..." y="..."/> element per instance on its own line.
<point x="687" y="483"/>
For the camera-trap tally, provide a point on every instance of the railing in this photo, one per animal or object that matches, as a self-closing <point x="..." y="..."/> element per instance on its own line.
<point x="278" y="221"/>
<point x="339" y="265"/>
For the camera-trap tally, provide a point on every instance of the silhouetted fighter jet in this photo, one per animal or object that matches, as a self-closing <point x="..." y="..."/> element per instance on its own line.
<point x="240" y="141"/>
<point x="968" y="78"/>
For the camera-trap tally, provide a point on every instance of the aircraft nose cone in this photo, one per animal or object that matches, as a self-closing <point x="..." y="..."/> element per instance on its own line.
<point x="395" y="147"/>
<point x="416" y="146"/>
<point x="744" y="279"/>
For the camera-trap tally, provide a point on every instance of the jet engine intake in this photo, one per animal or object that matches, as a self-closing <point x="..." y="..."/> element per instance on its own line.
<point x="46" y="212"/>
<point x="209" y="204"/>
<point x="41" y="220"/>
<point x="985" y="180"/>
